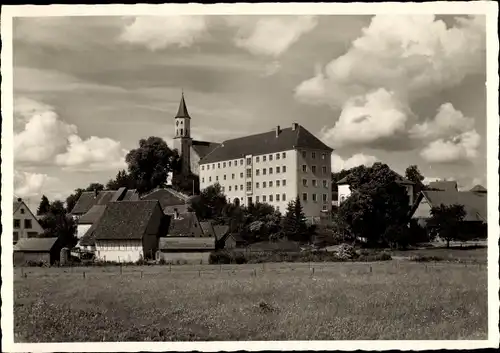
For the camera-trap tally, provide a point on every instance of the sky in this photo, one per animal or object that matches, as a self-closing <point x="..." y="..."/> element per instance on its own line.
<point x="397" y="89"/>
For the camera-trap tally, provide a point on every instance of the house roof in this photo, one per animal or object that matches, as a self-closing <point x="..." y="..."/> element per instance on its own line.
<point x="166" y="197"/>
<point x="444" y="185"/>
<point x="263" y="143"/>
<point x="170" y="210"/>
<point x="478" y="188"/>
<point x="221" y="230"/>
<point x="475" y="205"/>
<point x="208" y="229"/>
<point x="88" y="199"/>
<point x="236" y="237"/>
<point x="182" y="112"/>
<point x="35" y="244"/>
<point x="92" y="215"/>
<point x="187" y="243"/>
<point x="202" y="148"/>
<point x="186" y="225"/>
<point x="399" y="179"/>
<point x="16" y="204"/>
<point x="125" y="220"/>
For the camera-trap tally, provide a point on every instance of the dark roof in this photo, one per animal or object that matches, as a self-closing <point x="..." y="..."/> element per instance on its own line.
<point x="186" y="225"/>
<point x="443" y="185"/>
<point x="35" y="244"/>
<point x="185" y="243"/>
<point x="208" y="229"/>
<point x="166" y="197"/>
<point x="15" y="205"/>
<point x="236" y="237"/>
<point x="266" y="142"/>
<point x="478" y="188"/>
<point x="92" y="215"/>
<point x="399" y="179"/>
<point x="87" y="199"/>
<point x="221" y="230"/>
<point x="182" y="112"/>
<point x="170" y="210"/>
<point x="202" y="148"/>
<point x="475" y="205"/>
<point x="126" y="220"/>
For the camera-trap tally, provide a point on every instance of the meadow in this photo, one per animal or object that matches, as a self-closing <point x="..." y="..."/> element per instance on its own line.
<point x="391" y="300"/>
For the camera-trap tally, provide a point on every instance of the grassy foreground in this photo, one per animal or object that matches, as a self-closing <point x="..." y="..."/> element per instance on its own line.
<point x="340" y="301"/>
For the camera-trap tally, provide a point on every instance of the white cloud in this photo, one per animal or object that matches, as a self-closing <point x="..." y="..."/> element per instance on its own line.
<point x="338" y="163"/>
<point x="28" y="184"/>
<point x="158" y="32"/>
<point x="270" y="35"/>
<point x="459" y="148"/>
<point x="414" y="56"/>
<point x="368" y="119"/>
<point x="46" y="139"/>
<point x="271" y="68"/>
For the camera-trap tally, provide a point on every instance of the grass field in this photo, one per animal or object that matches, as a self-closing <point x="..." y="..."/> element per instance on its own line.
<point x="340" y="301"/>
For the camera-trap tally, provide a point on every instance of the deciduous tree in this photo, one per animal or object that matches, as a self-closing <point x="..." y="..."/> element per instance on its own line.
<point x="446" y="221"/>
<point x="210" y="203"/>
<point x="57" y="223"/>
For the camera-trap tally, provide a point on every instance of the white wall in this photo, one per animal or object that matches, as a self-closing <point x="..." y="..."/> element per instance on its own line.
<point x="119" y="250"/>
<point x="81" y="229"/>
<point x="344" y="192"/>
<point x="24" y="213"/>
<point x="423" y="210"/>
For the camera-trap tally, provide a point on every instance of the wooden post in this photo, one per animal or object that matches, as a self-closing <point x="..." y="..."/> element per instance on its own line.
<point x="121" y="271"/>
<point x="371" y="270"/>
<point x="83" y="274"/>
<point x="170" y="267"/>
<point x="141" y="274"/>
<point x="22" y="272"/>
<point x="255" y="272"/>
<point x="199" y="273"/>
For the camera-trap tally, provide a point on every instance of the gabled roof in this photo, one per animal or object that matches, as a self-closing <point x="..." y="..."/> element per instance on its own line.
<point x="208" y="229"/>
<point x="182" y="112"/>
<point x="221" y="231"/>
<point x="166" y="197"/>
<point x="15" y="205"/>
<point x="126" y="220"/>
<point x="186" y="225"/>
<point x="35" y="244"/>
<point x="92" y="215"/>
<point x="478" y="188"/>
<point x="237" y="238"/>
<point x="88" y="199"/>
<point x="475" y="205"/>
<point x="187" y="243"/>
<point x="202" y="148"/>
<point x="444" y="185"/>
<point x="263" y="143"/>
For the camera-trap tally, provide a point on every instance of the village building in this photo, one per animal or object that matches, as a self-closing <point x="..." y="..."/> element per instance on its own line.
<point x="26" y="224"/>
<point x="185" y="249"/>
<point x="170" y="200"/>
<point x="233" y="241"/>
<point x="37" y="250"/>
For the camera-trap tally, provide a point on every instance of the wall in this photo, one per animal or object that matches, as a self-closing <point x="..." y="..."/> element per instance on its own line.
<point x="189" y="257"/>
<point x="22" y="232"/>
<point x="214" y="172"/>
<point x="119" y="250"/>
<point x="344" y="192"/>
<point x="423" y="210"/>
<point x="194" y="161"/>
<point x="81" y="229"/>
<point x="318" y="159"/>
<point x="151" y="238"/>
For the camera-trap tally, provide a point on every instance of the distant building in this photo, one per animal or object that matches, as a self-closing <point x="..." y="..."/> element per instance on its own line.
<point x="184" y="225"/>
<point x="185" y="249"/>
<point x="234" y="240"/>
<point x="46" y="250"/>
<point x="450" y="185"/>
<point x="25" y="222"/>
<point x="88" y="199"/>
<point x="170" y="200"/>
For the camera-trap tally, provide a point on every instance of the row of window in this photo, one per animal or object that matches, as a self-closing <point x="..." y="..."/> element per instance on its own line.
<point x="313" y="155"/>
<point x="314" y="183"/>
<point x="277" y="197"/>
<point x="313" y="169"/>
<point x="270" y="170"/>
<point x="223" y="164"/>
<point x="270" y="157"/>
<point x="121" y="245"/>
<point x="27" y="224"/>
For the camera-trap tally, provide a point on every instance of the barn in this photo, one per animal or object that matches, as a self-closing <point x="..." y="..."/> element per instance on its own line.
<point x="185" y="249"/>
<point x="46" y="250"/>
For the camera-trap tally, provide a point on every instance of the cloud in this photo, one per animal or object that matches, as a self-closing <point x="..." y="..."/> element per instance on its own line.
<point x="414" y="56"/>
<point x="28" y="184"/>
<point x="457" y="149"/>
<point x="159" y="32"/>
<point x="46" y="139"/>
<point x="339" y="164"/>
<point x="271" y="68"/>
<point x="368" y="120"/>
<point x="270" y="35"/>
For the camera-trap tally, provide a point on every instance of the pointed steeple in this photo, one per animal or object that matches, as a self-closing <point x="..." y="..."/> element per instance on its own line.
<point x="182" y="112"/>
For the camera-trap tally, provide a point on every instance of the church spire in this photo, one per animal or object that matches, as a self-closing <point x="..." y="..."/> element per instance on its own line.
<point x="182" y="112"/>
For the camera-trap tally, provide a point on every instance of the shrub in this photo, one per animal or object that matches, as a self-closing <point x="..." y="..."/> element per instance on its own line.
<point x="427" y="258"/>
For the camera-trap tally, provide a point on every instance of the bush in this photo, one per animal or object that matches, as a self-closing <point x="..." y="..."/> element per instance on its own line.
<point x="427" y="258"/>
<point x="227" y="257"/>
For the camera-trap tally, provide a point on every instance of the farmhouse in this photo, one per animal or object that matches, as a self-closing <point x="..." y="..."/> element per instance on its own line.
<point x="186" y="249"/>
<point x="129" y="231"/>
<point x="169" y="199"/>
<point x="25" y="222"/>
<point x="91" y="198"/>
<point x="46" y="250"/>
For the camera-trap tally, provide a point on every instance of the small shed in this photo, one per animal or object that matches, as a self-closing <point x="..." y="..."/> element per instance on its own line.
<point x="234" y="240"/>
<point x="185" y="249"/>
<point x="46" y="250"/>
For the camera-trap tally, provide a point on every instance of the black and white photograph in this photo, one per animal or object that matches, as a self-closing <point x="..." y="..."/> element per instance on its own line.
<point x="222" y="175"/>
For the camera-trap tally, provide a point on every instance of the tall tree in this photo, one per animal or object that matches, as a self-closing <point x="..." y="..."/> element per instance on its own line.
<point x="122" y="180"/>
<point x="72" y="199"/>
<point x="150" y="163"/>
<point x="95" y="187"/>
<point x="210" y="203"/>
<point x="294" y="223"/>
<point x="57" y="223"/>
<point x="44" y="206"/>
<point x="413" y="174"/>
<point x="446" y="222"/>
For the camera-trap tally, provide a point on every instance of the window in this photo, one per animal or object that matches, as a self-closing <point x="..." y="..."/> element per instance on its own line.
<point x="283" y="155"/>
<point x="17" y="223"/>
<point x="270" y="171"/>
<point x="277" y="170"/>
<point x="15" y="235"/>
<point x="249" y="172"/>
<point x="270" y="184"/>
<point x="210" y="179"/>
<point x="284" y="182"/>
<point x="216" y="178"/>
<point x="257" y="172"/>
<point x="263" y="184"/>
<point x="304" y="182"/>
<point x="277" y="197"/>
<point x="284" y="169"/>
<point x="241" y="161"/>
<point x="224" y="165"/>
<point x="241" y="187"/>
<point x="223" y="189"/>
<point x="213" y="166"/>
<point x="304" y="168"/>
<point x="323" y="156"/>
<point x="277" y="156"/>
<point x="249" y="161"/>
<point x="249" y="186"/>
<point x="283" y="197"/>
<point x="27" y="223"/>
<point x="202" y="167"/>
<point x="256" y="198"/>
<point x="270" y="198"/>
<point x="313" y="169"/>
<point x="257" y="185"/>
<point x="325" y="184"/>
<point x="224" y="176"/>
<point x="264" y="170"/>
<point x="315" y="183"/>
<point x="257" y="159"/>
<point x="325" y="197"/>
<point x="314" y="197"/>
<point x="324" y="170"/>
<point x="263" y="158"/>
<point x="236" y="188"/>
<point x="229" y="163"/>
<point x="313" y="155"/>
<point x="208" y="166"/>
<point x="241" y="175"/>
<point x="304" y="154"/>
<point x="263" y="198"/>
<point x="229" y="187"/>
<point x="232" y="176"/>
<point x="270" y="159"/>
<point x="277" y="183"/>
<point x="202" y="180"/>
<point x="218" y="165"/>
<point x="304" y="196"/>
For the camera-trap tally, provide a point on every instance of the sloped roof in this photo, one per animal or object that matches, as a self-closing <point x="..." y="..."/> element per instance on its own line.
<point x="221" y="230"/>
<point x="170" y="210"/>
<point x="478" y="188"/>
<point x="186" y="225"/>
<point x="92" y="215"/>
<point x="399" y="179"/>
<point x="208" y="229"/>
<point x="182" y="112"/>
<point x="475" y="205"/>
<point x="166" y="197"/>
<point x="87" y="199"/>
<point x="263" y="143"/>
<point x="16" y="204"/>
<point x="35" y="244"/>
<point x="202" y="148"/>
<point x="187" y="243"/>
<point x="444" y="185"/>
<point x="125" y="220"/>
<point x="236" y="237"/>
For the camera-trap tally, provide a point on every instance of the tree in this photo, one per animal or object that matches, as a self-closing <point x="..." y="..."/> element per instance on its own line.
<point x="210" y="203"/>
<point x="57" y="223"/>
<point x="95" y="187"/>
<point x="44" y="206"/>
<point x="72" y="199"/>
<point x="413" y="174"/>
<point x="150" y="163"/>
<point x="188" y="184"/>
<point x="294" y="223"/>
<point x="446" y="222"/>
<point x="261" y="220"/>
<point x="122" y="180"/>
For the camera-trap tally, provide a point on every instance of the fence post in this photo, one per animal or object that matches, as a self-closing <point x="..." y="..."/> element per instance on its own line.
<point x="371" y="270"/>
<point x="199" y="273"/>
<point x="141" y="274"/>
<point x="121" y="271"/>
<point x="83" y="274"/>
<point x="170" y="267"/>
<point x="22" y="272"/>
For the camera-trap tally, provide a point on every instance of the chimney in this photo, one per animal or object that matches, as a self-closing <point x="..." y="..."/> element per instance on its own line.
<point x="278" y="131"/>
<point x="176" y="213"/>
<point x="295" y="126"/>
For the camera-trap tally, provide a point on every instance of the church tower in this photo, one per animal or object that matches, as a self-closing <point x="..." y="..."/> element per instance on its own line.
<point x="182" y="136"/>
